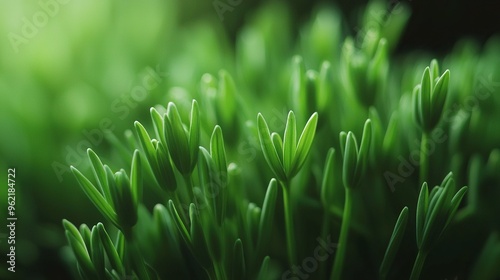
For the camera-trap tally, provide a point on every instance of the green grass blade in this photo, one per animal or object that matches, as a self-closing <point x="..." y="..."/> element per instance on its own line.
<point x="305" y="142"/>
<point x="289" y="143"/>
<point x="95" y="196"/>
<point x="422" y="208"/>
<point x="111" y="252"/>
<point x="239" y="268"/>
<point x="136" y="177"/>
<point x="99" y="173"/>
<point x="268" y="149"/>
<point x="267" y="215"/>
<point x="194" y="134"/>
<point x="395" y="241"/>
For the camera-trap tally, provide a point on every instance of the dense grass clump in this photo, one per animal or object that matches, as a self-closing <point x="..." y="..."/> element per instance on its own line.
<point x="325" y="156"/>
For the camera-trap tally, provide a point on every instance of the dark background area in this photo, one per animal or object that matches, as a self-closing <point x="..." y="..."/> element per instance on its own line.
<point x="434" y="26"/>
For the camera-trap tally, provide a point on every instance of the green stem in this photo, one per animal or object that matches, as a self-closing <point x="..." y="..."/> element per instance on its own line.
<point x="183" y="212"/>
<point x="189" y="187"/>
<point x="290" y="233"/>
<point x="424" y="159"/>
<point x="418" y="265"/>
<point x="338" y="264"/>
<point x="135" y="257"/>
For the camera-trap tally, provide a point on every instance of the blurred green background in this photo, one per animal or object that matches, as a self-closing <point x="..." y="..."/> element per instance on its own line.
<point x="69" y="69"/>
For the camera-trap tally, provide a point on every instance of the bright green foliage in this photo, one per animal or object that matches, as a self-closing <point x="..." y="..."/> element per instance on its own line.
<point x="187" y="193"/>
<point x="355" y="159"/>
<point x="182" y="144"/>
<point x="287" y="157"/>
<point x="435" y="211"/>
<point x="430" y="96"/>
<point x="394" y="242"/>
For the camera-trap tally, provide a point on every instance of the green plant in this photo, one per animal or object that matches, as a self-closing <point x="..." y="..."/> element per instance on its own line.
<point x="201" y="198"/>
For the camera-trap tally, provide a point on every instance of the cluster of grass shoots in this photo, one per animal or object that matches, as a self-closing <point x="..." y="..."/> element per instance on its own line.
<point x="234" y="200"/>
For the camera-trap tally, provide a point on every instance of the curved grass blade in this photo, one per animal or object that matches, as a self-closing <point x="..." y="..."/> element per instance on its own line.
<point x="395" y="241"/>
<point x="289" y="143"/>
<point x="194" y="134"/>
<point x="111" y="252"/>
<point x="136" y="177"/>
<point x="267" y="215"/>
<point x="99" y="173"/>
<point x="304" y="144"/>
<point x="95" y="196"/>
<point x="239" y="269"/>
<point x="422" y="208"/>
<point x="268" y="149"/>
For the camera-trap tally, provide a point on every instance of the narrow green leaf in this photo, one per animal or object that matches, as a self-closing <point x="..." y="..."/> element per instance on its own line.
<point x="268" y="149"/>
<point x="125" y="206"/>
<point x="164" y="169"/>
<point x="267" y="215"/>
<point x="350" y="162"/>
<point x="177" y="140"/>
<point x="82" y="256"/>
<point x="95" y="196"/>
<point x="194" y="135"/>
<point x="422" y="208"/>
<point x="309" y="99"/>
<point x="324" y="87"/>
<point x="179" y="223"/>
<point x="289" y="143"/>
<point x="425" y="97"/>
<point x="99" y="173"/>
<point x="158" y="125"/>
<point x="226" y="97"/>
<point x="434" y="70"/>
<point x="298" y="81"/>
<point x="97" y="253"/>
<point x="264" y="269"/>
<point x="252" y="219"/>
<point x="278" y="146"/>
<point x="136" y="178"/>
<point x="328" y="180"/>
<point x="304" y="144"/>
<point x="218" y="154"/>
<point x="417" y="109"/>
<point x="439" y="95"/>
<point x="120" y="246"/>
<point x="395" y="241"/>
<point x="435" y="220"/>
<point x="391" y="136"/>
<point x="343" y="142"/>
<point x="110" y="250"/>
<point x="71" y="228"/>
<point x="364" y="148"/>
<point x="239" y="270"/>
<point x="455" y="203"/>
<point x="210" y="186"/>
<point x="145" y="141"/>
<point x="86" y="234"/>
